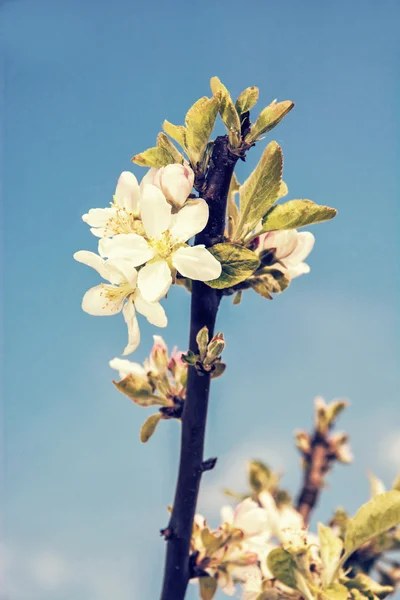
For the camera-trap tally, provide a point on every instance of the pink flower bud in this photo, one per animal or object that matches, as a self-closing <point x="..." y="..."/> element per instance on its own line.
<point x="159" y="355"/>
<point x="176" y="183"/>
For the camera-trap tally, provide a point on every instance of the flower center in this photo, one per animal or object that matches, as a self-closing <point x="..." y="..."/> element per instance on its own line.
<point x="115" y="294"/>
<point x="164" y="245"/>
<point x="124" y="222"/>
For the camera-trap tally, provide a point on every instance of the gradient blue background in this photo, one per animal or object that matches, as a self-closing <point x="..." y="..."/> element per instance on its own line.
<point x="85" y="86"/>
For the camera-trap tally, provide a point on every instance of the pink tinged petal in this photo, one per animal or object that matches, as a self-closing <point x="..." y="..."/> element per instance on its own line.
<point x="95" y="261"/>
<point x="284" y="242"/>
<point x="153" y="311"/>
<point x="176" y="182"/>
<point x="196" y="262"/>
<point x="133" y="327"/>
<point x="126" y="245"/>
<point x="191" y="219"/>
<point x="96" y="303"/>
<point x="126" y="367"/>
<point x="125" y="268"/>
<point x="305" y="243"/>
<point x="127" y="192"/>
<point x="155" y="211"/>
<point x="98" y="217"/>
<point x="148" y="178"/>
<point x="154" y="280"/>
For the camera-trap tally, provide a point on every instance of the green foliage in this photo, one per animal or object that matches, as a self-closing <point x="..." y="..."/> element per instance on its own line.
<point x="139" y="390"/>
<point x="259" y="476"/>
<point x="165" y="143"/>
<point x="295" y="214"/>
<point x="261" y="190"/>
<point x="331" y="548"/>
<point x="233" y="210"/>
<point x="375" y="517"/>
<point x="247" y="99"/>
<point x="268" y="119"/>
<point x="200" y="120"/>
<point x="154" y="157"/>
<point x="149" y="427"/>
<point x="283" y="566"/>
<point x="227" y="111"/>
<point x="335" y="591"/>
<point x="269" y="281"/>
<point x="208" y="587"/>
<point x="365" y="584"/>
<point x="176" y="132"/>
<point x="237" y="263"/>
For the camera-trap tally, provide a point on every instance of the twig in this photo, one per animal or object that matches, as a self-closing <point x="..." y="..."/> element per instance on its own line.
<point x="204" y="308"/>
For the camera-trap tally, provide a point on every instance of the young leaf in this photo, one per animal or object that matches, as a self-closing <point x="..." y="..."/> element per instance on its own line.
<point x="176" y="132"/>
<point x="282" y="565"/>
<point x="139" y="390"/>
<point x="268" y="119"/>
<point x="227" y="111"/>
<point x="373" y="518"/>
<point x="200" y="120"/>
<point x="283" y="191"/>
<point x="247" y="99"/>
<point x="335" y="591"/>
<point x="261" y="190"/>
<point x="165" y="143"/>
<point x="237" y="263"/>
<point x="331" y="548"/>
<point x="153" y="157"/>
<point x="260" y="476"/>
<point x="295" y="214"/>
<point x="208" y="587"/>
<point x="270" y="281"/>
<point x="233" y="211"/>
<point x="363" y="583"/>
<point x="237" y="298"/>
<point x="149" y="427"/>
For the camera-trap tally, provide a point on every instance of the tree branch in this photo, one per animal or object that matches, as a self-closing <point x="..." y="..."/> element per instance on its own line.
<point x="204" y="308"/>
<point x="318" y="463"/>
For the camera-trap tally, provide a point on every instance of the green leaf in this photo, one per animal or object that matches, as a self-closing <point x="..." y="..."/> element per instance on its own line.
<point x="331" y="548"/>
<point x="176" y="132"/>
<point x="233" y="210"/>
<point x="283" y="191"/>
<point x="268" y="119"/>
<point x="165" y="143"/>
<point x="283" y="567"/>
<point x="295" y="214"/>
<point x="227" y="111"/>
<point x="237" y="263"/>
<point x="153" y="157"/>
<point x="270" y="281"/>
<point x="139" y="390"/>
<point x="335" y="591"/>
<point x="363" y="583"/>
<point x="396" y="483"/>
<point x="200" y="120"/>
<point x="208" y="587"/>
<point x="149" y="427"/>
<point x="261" y="190"/>
<point x="237" y="298"/>
<point x="210" y="541"/>
<point x="373" y="518"/>
<point x="247" y="99"/>
<point x="260" y="476"/>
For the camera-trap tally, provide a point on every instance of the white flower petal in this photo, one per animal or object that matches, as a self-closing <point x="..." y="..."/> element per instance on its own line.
<point x="297" y="270"/>
<point x="91" y="259"/>
<point x="191" y="219"/>
<point x="284" y="242"/>
<point x="176" y="183"/>
<point x="305" y="243"/>
<point x="227" y="514"/>
<point x="127" y="192"/>
<point x="196" y="262"/>
<point x="155" y="211"/>
<point x="99" y="232"/>
<point x="98" y="217"/>
<point x="126" y="245"/>
<point x="153" y="311"/>
<point x="125" y="267"/>
<point x="154" y="280"/>
<point x="95" y="302"/>
<point x="148" y="178"/>
<point x="133" y="327"/>
<point x="126" y="367"/>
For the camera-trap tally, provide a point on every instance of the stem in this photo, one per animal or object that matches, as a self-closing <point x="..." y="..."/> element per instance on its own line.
<point x="204" y="308"/>
<point x="317" y="465"/>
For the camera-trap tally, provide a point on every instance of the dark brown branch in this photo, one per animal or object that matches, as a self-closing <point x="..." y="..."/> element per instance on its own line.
<point x="318" y="463"/>
<point x="204" y="308"/>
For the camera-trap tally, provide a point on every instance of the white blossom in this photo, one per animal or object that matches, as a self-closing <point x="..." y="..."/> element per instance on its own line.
<point x="175" y="181"/>
<point x="122" y="216"/>
<point x="163" y="246"/>
<point x="291" y="248"/>
<point x="121" y="294"/>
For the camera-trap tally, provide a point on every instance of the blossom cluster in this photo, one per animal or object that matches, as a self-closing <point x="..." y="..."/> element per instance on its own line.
<point x="143" y="246"/>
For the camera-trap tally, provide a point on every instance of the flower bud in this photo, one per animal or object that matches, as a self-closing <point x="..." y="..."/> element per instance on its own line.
<point x="303" y="442"/>
<point x="178" y="367"/>
<point x="159" y="355"/>
<point x="176" y="183"/>
<point x="215" y="348"/>
<point x="202" y="339"/>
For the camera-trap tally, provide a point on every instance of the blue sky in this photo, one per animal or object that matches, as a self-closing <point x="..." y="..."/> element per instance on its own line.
<point x="85" y="86"/>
